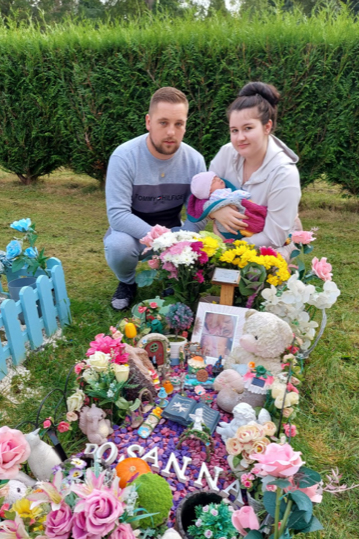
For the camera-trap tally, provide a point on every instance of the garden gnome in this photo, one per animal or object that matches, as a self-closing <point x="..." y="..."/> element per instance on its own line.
<point x="43" y="457"/>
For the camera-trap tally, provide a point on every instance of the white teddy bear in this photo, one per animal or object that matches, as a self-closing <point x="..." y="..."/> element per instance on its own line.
<point x="265" y="337"/>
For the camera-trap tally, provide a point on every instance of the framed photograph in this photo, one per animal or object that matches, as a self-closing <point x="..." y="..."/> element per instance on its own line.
<point x="218" y="329"/>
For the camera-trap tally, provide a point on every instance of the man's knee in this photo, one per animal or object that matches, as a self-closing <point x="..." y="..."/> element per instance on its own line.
<point x="121" y="245"/>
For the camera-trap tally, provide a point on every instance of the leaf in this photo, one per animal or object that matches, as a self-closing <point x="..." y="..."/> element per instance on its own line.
<point x="17" y="264"/>
<point x="281" y="483"/>
<point x="146" y="277"/>
<point x="303" y="503"/>
<point x="305" y="477"/>
<point x="314" y="526"/>
<point x="254" y="534"/>
<point x="135" y="405"/>
<point x="308" y="249"/>
<point x="297" y="520"/>
<point x="294" y="253"/>
<point x="269" y="500"/>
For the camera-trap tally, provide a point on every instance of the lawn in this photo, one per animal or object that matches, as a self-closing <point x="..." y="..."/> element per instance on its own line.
<point x="69" y="212"/>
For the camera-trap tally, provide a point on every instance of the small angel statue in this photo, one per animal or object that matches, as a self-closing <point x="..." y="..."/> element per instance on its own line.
<point x="198" y="420"/>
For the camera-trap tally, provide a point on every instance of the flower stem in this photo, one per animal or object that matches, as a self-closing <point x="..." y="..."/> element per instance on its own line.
<point x="276" y="514"/>
<point x="285" y="518"/>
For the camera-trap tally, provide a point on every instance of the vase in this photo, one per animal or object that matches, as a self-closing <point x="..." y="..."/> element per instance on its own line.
<point x="23" y="272"/>
<point x="176" y="344"/>
<point x="186" y="515"/>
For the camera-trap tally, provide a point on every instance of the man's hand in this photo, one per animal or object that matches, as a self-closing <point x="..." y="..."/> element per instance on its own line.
<point x="230" y="218"/>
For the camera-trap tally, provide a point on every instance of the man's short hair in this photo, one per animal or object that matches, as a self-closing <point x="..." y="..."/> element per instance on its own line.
<point x="168" y="94"/>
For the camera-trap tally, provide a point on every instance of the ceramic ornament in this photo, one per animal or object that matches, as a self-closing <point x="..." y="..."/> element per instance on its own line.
<point x="180" y="472"/>
<point x="171" y="534"/>
<point x="94" y="425"/>
<point x="152" y="458"/>
<point x="13" y="490"/>
<point x="43" y="457"/>
<point x="235" y="489"/>
<point x="212" y="481"/>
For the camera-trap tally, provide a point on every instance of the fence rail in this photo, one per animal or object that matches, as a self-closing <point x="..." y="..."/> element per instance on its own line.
<point x="42" y="308"/>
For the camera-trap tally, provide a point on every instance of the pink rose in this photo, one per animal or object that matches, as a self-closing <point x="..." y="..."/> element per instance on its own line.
<point x="278" y="461"/>
<point x="290" y="430"/>
<point x="72" y="416"/>
<point x="301" y="236"/>
<point x="47" y="423"/>
<point x="154" y="233"/>
<point x="314" y="493"/>
<point x="96" y="514"/>
<point x="271" y="488"/>
<point x="14" y="449"/>
<point x="153" y="305"/>
<point x="154" y="263"/>
<point x="59" y="523"/>
<point x="63" y="426"/>
<point x="79" y="367"/>
<point x="322" y="269"/>
<point x="142" y="309"/>
<point x="123" y="531"/>
<point x="245" y="517"/>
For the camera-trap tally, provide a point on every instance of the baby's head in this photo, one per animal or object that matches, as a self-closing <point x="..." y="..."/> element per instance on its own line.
<point x="204" y="183"/>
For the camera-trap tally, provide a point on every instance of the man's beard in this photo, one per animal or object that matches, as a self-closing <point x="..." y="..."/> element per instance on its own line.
<point x="162" y="149"/>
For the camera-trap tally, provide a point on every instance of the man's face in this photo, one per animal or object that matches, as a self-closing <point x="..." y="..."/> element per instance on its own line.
<point x="166" y="124"/>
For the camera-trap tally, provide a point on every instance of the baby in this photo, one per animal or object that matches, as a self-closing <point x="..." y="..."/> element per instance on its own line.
<point x="210" y="193"/>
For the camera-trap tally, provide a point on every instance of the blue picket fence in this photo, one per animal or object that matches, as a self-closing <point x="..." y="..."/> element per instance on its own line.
<point x="47" y="289"/>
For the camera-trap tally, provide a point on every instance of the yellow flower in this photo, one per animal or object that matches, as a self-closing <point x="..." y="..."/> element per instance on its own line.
<point x="272" y="279"/>
<point x="228" y="257"/>
<point x="22" y="508"/>
<point x="210" y="245"/>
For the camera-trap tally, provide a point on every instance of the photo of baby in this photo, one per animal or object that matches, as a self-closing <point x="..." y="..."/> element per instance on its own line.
<point x="218" y="329"/>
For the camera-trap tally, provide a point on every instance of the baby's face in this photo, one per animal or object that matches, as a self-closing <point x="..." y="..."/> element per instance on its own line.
<point x="217" y="183"/>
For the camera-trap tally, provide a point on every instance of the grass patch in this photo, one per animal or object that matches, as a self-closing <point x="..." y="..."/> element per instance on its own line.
<point x="69" y="212"/>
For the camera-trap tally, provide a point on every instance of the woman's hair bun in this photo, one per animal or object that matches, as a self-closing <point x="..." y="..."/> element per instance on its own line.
<point x="267" y="91"/>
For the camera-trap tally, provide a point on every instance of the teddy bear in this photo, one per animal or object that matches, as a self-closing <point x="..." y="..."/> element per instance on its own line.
<point x="265" y="337"/>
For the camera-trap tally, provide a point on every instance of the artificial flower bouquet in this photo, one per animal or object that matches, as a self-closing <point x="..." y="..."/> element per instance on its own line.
<point x="259" y="267"/>
<point x="103" y="377"/>
<point x="79" y="502"/>
<point x="213" y="521"/>
<point x="17" y="256"/>
<point x="183" y="260"/>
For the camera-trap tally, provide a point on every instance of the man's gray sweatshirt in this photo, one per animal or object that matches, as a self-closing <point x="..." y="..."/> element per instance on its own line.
<point x="142" y="191"/>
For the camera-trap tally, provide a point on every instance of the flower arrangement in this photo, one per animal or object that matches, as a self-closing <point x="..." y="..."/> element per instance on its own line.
<point x="179" y="317"/>
<point x="16" y="257"/>
<point x="14" y="450"/>
<point x="260" y="268"/>
<point x="77" y="503"/>
<point x="183" y="260"/>
<point x="103" y="377"/>
<point x="213" y="521"/>
<point x="248" y="441"/>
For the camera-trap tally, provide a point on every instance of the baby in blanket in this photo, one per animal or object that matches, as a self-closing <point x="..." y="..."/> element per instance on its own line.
<point x="210" y="193"/>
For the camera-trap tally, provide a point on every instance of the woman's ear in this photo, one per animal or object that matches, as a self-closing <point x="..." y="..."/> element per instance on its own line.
<point x="268" y="127"/>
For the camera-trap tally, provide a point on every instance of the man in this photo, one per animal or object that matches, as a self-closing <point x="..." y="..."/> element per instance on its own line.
<point x="148" y="181"/>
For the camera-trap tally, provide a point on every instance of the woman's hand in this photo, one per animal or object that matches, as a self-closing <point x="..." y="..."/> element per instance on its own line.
<point x="230" y="218"/>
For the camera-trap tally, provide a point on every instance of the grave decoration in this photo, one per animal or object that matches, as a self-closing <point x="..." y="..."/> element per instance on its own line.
<point x="17" y="256"/>
<point x="79" y="501"/>
<point x="180" y="409"/>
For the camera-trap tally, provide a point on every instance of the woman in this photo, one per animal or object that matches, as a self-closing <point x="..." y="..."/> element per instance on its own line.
<point x="262" y="164"/>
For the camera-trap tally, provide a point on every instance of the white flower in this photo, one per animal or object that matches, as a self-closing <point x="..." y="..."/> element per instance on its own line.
<point x="327" y="298"/>
<point x="270" y="294"/>
<point x="198" y="523"/>
<point x="99" y="361"/>
<point x="75" y="401"/>
<point x="89" y="375"/>
<point x="121" y="372"/>
<point x="110" y="393"/>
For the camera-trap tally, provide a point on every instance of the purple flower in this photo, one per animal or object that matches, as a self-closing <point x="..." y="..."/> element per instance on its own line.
<point x="75" y="473"/>
<point x="59" y="523"/>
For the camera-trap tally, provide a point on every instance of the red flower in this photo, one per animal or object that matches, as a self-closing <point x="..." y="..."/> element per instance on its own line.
<point x="268" y="251"/>
<point x="199" y="276"/>
<point x="63" y="426"/>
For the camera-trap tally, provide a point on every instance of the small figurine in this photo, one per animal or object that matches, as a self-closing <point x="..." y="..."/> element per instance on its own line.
<point x="197" y="419"/>
<point x="43" y="457"/>
<point x="162" y="394"/>
<point x="150" y="423"/>
<point x="13" y="490"/>
<point x="243" y="414"/>
<point x="218" y="367"/>
<point x="94" y="425"/>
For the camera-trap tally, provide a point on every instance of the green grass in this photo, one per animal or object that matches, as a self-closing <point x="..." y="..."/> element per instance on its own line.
<point x="70" y="215"/>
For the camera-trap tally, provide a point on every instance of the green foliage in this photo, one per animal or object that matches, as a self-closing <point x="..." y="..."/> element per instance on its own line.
<point x="154" y="495"/>
<point x="72" y="93"/>
<point x="220" y="524"/>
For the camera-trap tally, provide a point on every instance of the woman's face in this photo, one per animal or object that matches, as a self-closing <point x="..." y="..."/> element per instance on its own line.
<point x="248" y="135"/>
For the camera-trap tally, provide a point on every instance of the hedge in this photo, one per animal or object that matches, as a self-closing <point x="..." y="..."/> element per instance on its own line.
<point x="70" y="95"/>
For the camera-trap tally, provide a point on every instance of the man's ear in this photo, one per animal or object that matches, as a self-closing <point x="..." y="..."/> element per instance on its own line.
<point x="148" y="122"/>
